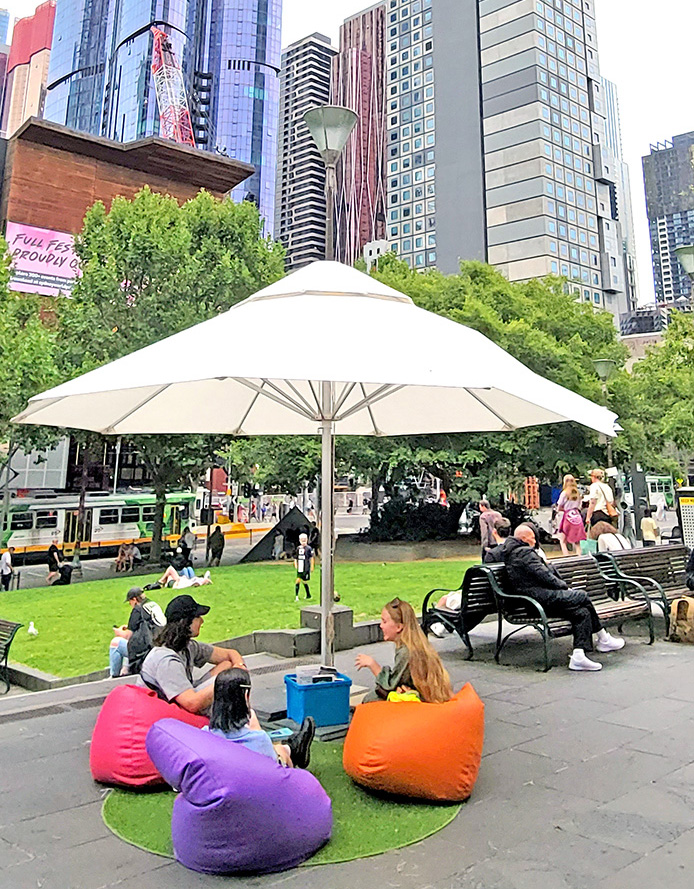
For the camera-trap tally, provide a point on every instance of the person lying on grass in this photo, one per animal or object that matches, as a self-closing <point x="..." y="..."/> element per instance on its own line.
<point x="232" y="718"/>
<point x="182" y="581"/>
<point x="168" y="668"/>
<point x="417" y="666"/>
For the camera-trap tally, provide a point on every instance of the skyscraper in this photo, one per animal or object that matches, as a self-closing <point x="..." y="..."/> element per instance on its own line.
<point x="668" y="173"/>
<point x="359" y="83"/>
<point x="620" y="193"/>
<point x="27" y="68"/>
<point x="300" y="199"/>
<point x="100" y="77"/>
<point x="494" y="127"/>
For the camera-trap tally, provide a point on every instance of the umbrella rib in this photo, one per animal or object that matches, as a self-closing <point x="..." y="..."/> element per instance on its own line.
<point x="368" y="400"/>
<point x="290" y="401"/>
<point x="285" y="402"/>
<point x="298" y="394"/>
<point x="112" y="427"/>
<point x="316" y="398"/>
<point x="346" y="392"/>
<point x="508" y="427"/>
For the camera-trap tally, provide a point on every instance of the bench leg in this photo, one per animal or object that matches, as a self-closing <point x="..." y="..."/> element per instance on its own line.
<point x="651" y="633"/>
<point x="466" y="642"/>
<point x="499" y="643"/>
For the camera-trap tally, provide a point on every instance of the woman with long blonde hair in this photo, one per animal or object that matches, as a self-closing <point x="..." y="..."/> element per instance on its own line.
<point x="570" y="527"/>
<point x="417" y="666"/>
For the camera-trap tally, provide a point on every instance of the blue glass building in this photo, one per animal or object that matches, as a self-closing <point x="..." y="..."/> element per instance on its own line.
<point x="100" y="80"/>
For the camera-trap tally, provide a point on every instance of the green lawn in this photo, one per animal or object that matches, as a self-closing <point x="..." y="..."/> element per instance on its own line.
<point x="74" y="622"/>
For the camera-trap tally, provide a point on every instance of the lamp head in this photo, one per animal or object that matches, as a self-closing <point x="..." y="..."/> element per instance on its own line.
<point x="604" y="367"/>
<point x="685" y="254"/>
<point x="330" y="127"/>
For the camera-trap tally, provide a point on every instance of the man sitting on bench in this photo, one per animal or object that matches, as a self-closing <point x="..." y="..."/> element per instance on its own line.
<point x="530" y="576"/>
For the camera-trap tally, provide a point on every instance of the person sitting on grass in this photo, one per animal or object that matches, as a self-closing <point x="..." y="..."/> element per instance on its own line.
<point x="168" y="668"/>
<point x="133" y="642"/>
<point x="417" y="666"/>
<point x="175" y="581"/>
<point x="232" y="718"/>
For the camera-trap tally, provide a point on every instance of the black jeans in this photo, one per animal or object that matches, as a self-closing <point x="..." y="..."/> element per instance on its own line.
<point x="574" y="606"/>
<point x="6" y="580"/>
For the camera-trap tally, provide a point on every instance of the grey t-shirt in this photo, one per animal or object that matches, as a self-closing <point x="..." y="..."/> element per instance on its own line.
<point x="171" y="672"/>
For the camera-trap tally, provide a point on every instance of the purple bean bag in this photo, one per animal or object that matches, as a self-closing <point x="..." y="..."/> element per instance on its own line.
<point x="238" y="811"/>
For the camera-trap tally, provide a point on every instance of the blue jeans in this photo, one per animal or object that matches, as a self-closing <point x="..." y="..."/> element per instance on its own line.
<point x="116" y="655"/>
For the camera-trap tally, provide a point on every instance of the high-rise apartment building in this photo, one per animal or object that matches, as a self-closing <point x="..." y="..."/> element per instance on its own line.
<point x="100" y="78"/>
<point x="4" y="25"/>
<point x="668" y="173"/>
<point x="300" y="199"/>
<point x="27" y="68"/>
<point x="359" y="75"/>
<point x="494" y="138"/>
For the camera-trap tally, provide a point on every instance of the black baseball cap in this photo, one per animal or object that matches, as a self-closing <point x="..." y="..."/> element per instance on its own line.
<point x="133" y="593"/>
<point x="183" y="608"/>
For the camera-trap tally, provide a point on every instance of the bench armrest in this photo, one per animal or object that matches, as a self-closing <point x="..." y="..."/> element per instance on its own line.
<point x="428" y="596"/>
<point x="502" y="596"/>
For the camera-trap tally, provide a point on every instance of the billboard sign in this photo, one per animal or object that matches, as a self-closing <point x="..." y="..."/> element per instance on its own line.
<point x="43" y="261"/>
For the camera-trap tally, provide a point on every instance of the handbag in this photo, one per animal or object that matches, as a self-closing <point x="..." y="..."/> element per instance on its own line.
<point x="610" y="508"/>
<point x="588" y="547"/>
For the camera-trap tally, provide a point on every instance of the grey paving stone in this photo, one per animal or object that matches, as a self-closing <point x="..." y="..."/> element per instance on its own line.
<point x="584" y="740"/>
<point x="502" y="735"/>
<point x="66" y="828"/>
<point x="675" y="742"/>
<point x="503" y="774"/>
<point x="609" y="775"/>
<point x="669" y="867"/>
<point x="653" y="714"/>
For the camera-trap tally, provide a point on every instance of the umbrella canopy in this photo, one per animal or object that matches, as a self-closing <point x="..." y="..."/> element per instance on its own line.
<point x="257" y="369"/>
<point x="280" y="362"/>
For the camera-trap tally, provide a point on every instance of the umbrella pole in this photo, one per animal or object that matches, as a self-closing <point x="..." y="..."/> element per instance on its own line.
<point x="327" y="529"/>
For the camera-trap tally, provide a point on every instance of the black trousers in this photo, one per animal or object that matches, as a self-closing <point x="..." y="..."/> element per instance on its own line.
<point x="5" y="579"/>
<point x="574" y="606"/>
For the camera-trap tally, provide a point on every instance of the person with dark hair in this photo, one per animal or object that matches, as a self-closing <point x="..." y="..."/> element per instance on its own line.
<point x="168" y="668"/>
<point x="216" y="547"/>
<point x="650" y="532"/>
<point x="530" y="576"/>
<point x="232" y="718"/>
<point x="132" y="643"/>
<point x="487" y="518"/>
<point x="501" y="531"/>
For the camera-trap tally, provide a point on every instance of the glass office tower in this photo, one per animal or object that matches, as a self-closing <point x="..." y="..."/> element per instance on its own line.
<point x="100" y="78"/>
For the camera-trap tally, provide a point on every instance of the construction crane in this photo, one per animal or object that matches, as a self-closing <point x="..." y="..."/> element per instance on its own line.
<point x="174" y="114"/>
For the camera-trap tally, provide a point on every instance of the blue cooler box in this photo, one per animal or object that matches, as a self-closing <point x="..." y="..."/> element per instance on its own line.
<point x="327" y="702"/>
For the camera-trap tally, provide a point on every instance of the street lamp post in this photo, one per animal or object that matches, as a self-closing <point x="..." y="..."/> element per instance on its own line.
<point x="330" y="127"/>
<point x="604" y="368"/>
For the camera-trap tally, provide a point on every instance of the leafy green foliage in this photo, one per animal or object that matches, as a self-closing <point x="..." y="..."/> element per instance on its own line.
<point x="404" y="520"/>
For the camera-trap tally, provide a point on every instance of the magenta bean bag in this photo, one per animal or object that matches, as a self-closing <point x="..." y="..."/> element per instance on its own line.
<point x="238" y="811"/>
<point x="117" y="753"/>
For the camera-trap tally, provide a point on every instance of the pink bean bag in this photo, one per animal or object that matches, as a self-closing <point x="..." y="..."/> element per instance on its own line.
<point x="118" y="754"/>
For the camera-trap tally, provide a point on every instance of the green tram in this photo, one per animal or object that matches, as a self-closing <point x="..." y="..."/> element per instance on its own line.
<point x="111" y="519"/>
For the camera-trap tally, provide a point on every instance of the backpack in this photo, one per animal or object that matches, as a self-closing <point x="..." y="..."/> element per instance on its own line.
<point x="682" y="620"/>
<point x="141" y="642"/>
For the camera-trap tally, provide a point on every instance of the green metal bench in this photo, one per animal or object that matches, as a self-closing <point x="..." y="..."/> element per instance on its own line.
<point x="477" y="602"/>
<point x="8" y="630"/>
<point x="661" y="570"/>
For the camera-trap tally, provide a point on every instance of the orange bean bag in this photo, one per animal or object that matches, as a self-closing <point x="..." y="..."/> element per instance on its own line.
<point x="428" y="751"/>
<point x="117" y="754"/>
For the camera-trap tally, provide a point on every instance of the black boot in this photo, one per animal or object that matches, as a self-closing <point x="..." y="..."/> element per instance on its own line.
<point x="300" y="743"/>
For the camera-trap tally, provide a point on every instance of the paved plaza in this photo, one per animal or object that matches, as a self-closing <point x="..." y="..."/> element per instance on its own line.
<point x="586" y="780"/>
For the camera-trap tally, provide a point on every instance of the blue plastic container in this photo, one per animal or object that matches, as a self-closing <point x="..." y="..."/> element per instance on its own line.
<point x="327" y="702"/>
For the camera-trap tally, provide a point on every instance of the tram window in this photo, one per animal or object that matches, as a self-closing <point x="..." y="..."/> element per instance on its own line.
<point x="130" y="514"/>
<point x="21" y="521"/>
<point x="108" y="516"/>
<point x="46" y="518"/>
<point x="148" y="513"/>
<point x="183" y="507"/>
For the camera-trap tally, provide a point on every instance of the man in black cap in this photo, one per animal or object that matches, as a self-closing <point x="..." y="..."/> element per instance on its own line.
<point x="132" y="642"/>
<point x="168" y="668"/>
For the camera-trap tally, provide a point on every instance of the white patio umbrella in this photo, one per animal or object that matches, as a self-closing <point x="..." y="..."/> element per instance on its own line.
<point x="303" y="376"/>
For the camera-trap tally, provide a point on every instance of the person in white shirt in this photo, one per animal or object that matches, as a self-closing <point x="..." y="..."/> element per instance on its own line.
<point x="609" y="541"/>
<point x="6" y="568"/>
<point x="600" y="494"/>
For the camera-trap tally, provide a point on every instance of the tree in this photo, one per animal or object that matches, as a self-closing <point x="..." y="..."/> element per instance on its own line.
<point x="27" y="366"/>
<point x="151" y="268"/>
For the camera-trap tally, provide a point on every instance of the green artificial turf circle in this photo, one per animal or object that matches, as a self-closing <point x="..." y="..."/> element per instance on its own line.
<point x="363" y="824"/>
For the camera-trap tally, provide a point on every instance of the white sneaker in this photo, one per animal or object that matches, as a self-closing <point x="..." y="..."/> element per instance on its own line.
<point x="583" y="663"/>
<point x="439" y="630"/>
<point x="610" y="643"/>
<point x="296" y="598"/>
<point x="207" y="575"/>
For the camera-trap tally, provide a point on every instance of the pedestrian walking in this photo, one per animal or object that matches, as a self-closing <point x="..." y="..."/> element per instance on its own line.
<point x="217" y="542"/>
<point x="54" y="560"/>
<point x="6" y="568"/>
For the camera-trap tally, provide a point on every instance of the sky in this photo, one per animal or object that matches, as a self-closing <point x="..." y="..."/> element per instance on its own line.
<point x="646" y="54"/>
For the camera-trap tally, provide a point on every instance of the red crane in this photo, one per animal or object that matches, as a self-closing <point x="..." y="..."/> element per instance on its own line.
<point x="174" y="114"/>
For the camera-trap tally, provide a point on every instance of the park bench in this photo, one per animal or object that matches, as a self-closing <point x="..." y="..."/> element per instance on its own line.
<point x="486" y="590"/>
<point x="661" y="570"/>
<point x="8" y="630"/>
<point x="477" y="602"/>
